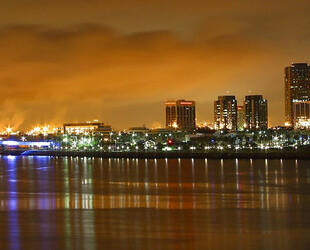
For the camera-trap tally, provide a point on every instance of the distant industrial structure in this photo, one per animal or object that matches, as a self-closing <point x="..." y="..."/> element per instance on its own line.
<point x="181" y="114"/>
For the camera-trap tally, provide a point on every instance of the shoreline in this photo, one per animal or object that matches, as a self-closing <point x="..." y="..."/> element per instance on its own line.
<point x="162" y="155"/>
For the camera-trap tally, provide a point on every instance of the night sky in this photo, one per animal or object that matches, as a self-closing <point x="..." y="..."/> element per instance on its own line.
<point x="118" y="61"/>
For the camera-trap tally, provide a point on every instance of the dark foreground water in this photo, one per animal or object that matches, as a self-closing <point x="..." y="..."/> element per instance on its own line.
<point x="88" y="203"/>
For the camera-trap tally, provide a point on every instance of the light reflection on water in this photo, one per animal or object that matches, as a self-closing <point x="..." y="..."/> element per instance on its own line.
<point x="142" y="200"/>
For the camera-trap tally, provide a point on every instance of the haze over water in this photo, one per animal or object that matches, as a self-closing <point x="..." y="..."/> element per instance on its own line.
<point x="89" y="203"/>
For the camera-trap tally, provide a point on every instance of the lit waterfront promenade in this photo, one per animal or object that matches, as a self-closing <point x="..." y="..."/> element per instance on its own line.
<point x="244" y="154"/>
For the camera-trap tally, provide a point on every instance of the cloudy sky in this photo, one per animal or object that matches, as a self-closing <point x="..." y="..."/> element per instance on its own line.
<point x="118" y="61"/>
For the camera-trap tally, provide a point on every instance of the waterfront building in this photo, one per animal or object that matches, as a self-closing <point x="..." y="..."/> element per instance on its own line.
<point x="225" y="113"/>
<point x="297" y="88"/>
<point x="301" y="114"/>
<point x="181" y="114"/>
<point x="15" y="144"/>
<point x="87" y="128"/>
<point x="256" y="112"/>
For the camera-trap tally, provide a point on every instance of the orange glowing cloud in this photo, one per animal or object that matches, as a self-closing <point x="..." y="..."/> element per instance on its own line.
<point x="52" y="74"/>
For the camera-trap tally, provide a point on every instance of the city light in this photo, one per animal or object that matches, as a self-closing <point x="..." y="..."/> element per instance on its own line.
<point x="42" y="130"/>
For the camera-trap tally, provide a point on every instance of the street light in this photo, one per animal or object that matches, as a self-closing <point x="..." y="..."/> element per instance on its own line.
<point x="175" y="125"/>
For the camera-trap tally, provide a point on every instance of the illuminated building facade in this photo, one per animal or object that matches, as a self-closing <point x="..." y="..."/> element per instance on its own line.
<point x="181" y="114"/>
<point x="225" y="113"/>
<point x="256" y="112"/>
<point x="26" y="144"/>
<point x="87" y="128"/>
<point x="240" y="118"/>
<point x="297" y="88"/>
<point x="136" y="130"/>
<point x="301" y="114"/>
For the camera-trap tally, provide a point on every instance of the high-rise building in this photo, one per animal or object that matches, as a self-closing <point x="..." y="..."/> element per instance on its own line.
<point x="297" y="88"/>
<point x="181" y="114"/>
<point x="301" y="114"/>
<point x="240" y="118"/>
<point x="225" y="113"/>
<point x="256" y="112"/>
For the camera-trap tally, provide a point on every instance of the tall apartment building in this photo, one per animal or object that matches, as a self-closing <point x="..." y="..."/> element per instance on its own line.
<point x="240" y="118"/>
<point x="256" y="112"/>
<point x="225" y="113"/>
<point x="297" y="88"/>
<point x="181" y="114"/>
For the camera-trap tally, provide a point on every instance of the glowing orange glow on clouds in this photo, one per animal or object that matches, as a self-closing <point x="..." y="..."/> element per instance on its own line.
<point x="137" y="54"/>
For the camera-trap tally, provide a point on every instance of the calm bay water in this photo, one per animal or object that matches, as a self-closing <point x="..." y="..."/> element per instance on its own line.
<point x="90" y="203"/>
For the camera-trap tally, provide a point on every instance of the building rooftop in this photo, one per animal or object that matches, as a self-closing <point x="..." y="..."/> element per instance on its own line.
<point x="299" y="64"/>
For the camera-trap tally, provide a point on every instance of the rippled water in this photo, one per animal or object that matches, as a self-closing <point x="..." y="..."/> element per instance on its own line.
<point x="89" y="203"/>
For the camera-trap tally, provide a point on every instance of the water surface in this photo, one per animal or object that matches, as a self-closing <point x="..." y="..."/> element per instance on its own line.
<point x="92" y="203"/>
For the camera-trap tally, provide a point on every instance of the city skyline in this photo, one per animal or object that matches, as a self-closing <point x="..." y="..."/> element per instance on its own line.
<point x="154" y="124"/>
<point x="116" y="63"/>
<point x="213" y="123"/>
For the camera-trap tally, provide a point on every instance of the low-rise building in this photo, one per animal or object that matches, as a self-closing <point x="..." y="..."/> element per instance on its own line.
<point x="137" y="130"/>
<point x="301" y="114"/>
<point x="87" y="128"/>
